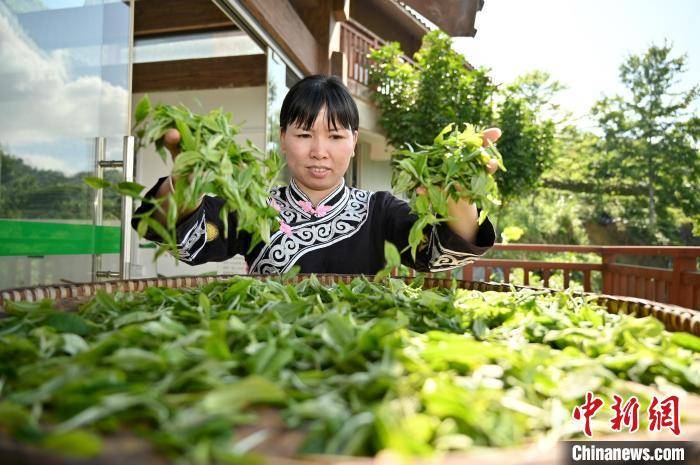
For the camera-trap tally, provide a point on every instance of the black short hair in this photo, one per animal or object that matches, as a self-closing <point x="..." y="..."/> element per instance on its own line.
<point x="307" y="97"/>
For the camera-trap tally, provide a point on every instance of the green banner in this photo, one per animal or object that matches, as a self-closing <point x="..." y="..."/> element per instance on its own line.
<point x="37" y="238"/>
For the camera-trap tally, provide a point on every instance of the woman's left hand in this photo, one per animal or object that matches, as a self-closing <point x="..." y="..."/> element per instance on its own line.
<point x="463" y="213"/>
<point x="490" y="136"/>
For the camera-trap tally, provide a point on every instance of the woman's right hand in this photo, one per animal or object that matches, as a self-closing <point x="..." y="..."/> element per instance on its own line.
<point x="171" y="141"/>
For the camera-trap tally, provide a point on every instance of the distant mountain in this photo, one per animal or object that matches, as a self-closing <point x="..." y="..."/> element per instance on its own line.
<point x="27" y="192"/>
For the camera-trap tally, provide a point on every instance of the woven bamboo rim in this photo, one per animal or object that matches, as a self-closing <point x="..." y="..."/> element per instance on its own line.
<point x="673" y="317"/>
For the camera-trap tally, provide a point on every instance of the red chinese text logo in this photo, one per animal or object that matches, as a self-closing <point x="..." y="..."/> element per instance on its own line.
<point x="665" y="414"/>
<point x="589" y="409"/>
<point x="661" y="413"/>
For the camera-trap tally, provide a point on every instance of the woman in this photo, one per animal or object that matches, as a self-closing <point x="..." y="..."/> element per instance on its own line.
<point x="327" y="227"/>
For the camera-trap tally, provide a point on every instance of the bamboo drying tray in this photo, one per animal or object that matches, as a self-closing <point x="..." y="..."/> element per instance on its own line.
<point x="281" y="443"/>
<point x="673" y="317"/>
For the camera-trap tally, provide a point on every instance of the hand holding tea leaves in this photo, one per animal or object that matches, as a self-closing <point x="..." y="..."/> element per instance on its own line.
<point x="463" y="212"/>
<point x="445" y="181"/>
<point x="207" y="160"/>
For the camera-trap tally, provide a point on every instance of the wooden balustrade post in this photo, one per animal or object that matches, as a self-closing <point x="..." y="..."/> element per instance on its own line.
<point x="468" y="272"/>
<point x="678" y="293"/>
<point x="586" y="280"/>
<point x="608" y="259"/>
<point x="339" y="66"/>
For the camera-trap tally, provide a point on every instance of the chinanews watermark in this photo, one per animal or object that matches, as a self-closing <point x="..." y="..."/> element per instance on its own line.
<point x="663" y="414"/>
<point x="630" y="452"/>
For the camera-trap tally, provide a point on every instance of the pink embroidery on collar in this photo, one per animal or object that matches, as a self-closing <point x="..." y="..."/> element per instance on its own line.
<point x="308" y="207"/>
<point x="321" y="210"/>
<point x="285" y="228"/>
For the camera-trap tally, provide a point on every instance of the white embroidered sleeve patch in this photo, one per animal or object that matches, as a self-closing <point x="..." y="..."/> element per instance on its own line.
<point x="193" y="241"/>
<point x="442" y="258"/>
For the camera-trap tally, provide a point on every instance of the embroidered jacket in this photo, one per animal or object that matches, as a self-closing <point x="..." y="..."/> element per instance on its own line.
<point x="345" y="233"/>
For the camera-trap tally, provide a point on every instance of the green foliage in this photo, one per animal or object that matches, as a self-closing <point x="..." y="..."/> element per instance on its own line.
<point x="448" y="91"/>
<point x="548" y="216"/>
<point x="393" y="261"/>
<point x="525" y="115"/>
<point x="538" y="91"/>
<point x="526" y="146"/>
<point x="416" y="101"/>
<point x="357" y="367"/>
<point x="575" y="156"/>
<point x="511" y="234"/>
<point x="650" y="141"/>
<point x="211" y="162"/>
<point x="453" y="167"/>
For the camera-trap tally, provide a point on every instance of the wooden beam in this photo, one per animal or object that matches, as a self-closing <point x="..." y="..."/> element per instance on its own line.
<point x="390" y="22"/>
<point x="154" y="17"/>
<point x="318" y="18"/>
<point x="282" y="22"/>
<point x="341" y="10"/>
<point x="204" y="73"/>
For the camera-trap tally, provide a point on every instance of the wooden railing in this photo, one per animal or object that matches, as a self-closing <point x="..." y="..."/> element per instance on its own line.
<point x="356" y="41"/>
<point x="678" y="285"/>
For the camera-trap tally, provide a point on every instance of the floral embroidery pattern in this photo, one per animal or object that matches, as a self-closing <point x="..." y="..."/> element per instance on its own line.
<point x="319" y="211"/>
<point x="285" y="228"/>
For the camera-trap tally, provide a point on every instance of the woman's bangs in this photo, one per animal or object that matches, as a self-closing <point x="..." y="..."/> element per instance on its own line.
<point x="304" y="103"/>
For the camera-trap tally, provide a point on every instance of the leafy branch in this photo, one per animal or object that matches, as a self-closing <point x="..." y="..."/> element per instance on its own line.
<point x="454" y="167"/>
<point x="211" y="162"/>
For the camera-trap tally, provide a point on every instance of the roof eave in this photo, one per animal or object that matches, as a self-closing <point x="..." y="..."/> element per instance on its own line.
<point x="454" y="17"/>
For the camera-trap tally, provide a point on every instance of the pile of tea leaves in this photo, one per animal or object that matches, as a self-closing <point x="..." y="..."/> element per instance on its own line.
<point x="454" y="167"/>
<point x="359" y="367"/>
<point x="211" y="162"/>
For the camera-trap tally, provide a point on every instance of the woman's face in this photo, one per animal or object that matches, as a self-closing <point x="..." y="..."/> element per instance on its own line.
<point x="318" y="158"/>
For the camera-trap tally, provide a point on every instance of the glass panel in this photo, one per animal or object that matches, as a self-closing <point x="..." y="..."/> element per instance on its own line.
<point x="189" y="46"/>
<point x="64" y="81"/>
<point x="279" y="80"/>
<point x="276" y="91"/>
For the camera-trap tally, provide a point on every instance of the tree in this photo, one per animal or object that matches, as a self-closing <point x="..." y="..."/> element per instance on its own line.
<point x="418" y="100"/>
<point x="538" y="90"/>
<point x="528" y="135"/>
<point x="650" y="141"/>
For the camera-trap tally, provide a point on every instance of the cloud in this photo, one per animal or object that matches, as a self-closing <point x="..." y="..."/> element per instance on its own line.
<point x="42" y="102"/>
<point x="48" y="162"/>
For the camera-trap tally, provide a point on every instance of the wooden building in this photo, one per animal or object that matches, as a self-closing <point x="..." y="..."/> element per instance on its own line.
<point x="72" y="71"/>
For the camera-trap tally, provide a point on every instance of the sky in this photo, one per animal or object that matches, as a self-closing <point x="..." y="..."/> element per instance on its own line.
<point x="581" y="43"/>
<point x="55" y="98"/>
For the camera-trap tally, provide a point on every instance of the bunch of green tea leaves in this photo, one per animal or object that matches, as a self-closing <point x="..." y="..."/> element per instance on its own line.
<point x="454" y="167"/>
<point x="358" y="367"/>
<point x="211" y="162"/>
